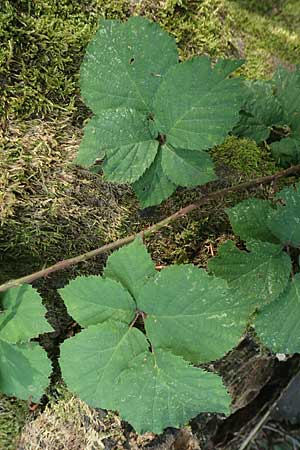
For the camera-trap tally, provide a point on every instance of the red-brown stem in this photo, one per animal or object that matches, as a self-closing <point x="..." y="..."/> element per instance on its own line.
<point x="152" y="229"/>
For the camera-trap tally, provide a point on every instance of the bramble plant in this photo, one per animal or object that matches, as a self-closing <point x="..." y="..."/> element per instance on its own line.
<point x="142" y="329"/>
<point x="267" y="276"/>
<point x="154" y="118"/>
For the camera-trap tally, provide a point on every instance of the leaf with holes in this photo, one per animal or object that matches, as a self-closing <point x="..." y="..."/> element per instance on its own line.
<point x="142" y="331"/>
<point x="154" y="117"/>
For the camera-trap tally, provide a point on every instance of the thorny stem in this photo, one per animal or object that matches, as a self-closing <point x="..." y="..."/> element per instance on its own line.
<point x="148" y="231"/>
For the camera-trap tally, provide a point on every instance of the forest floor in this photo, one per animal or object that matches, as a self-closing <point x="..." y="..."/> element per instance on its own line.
<point x="51" y="210"/>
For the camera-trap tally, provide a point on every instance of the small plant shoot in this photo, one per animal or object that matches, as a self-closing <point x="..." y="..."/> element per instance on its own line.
<point x="272" y="112"/>
<point x="143" y="330"/>
<point x="154" y="118"/>
<point x="268" y="273"/>
<point x="25" y="368"/>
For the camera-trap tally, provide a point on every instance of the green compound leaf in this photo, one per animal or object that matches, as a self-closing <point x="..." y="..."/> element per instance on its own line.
<point x="285" y="221"/>
<point x="126" y="140"/>
<point x="260" y="112"/>
<point x="249" y="220"/>
<point x="154" y="186"/>
<point x="23" y="317"/>
<point x="143" y="98"/>
<point x="196" y="106"/>
<point x="277" y="325"/>
<point x="187" y="167"/>
<point x="125" y="63"/>
<point x="160" y="390"/>
<point x="24" y="370"/>
<point x="259" y="275"/>
<point x="186" y="314"/>
<point x="92" y="300"/>
<point x="131" y="265"/>
<point x="107" y="350"/>
<point x="192" y="314"/>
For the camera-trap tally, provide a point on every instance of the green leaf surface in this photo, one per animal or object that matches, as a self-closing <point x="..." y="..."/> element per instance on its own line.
<point x="24" y="315"/>
<point x="91" y="147"/>
<point x="92" y="300"/>
<point x="286" y="152"/>
<point x="160" y="390"/>
<point x="260" y="112"/>
<point x="285" y="221"/>
<point x="196" y="106"/>
<point x="92" y="360"/>
<point x="131" y="265"/>
<point x="187" y="167"/>
<point x="225" y="67"/>
<point x="192" y="314"/>
<point x="126" y="140"/>
<point x="249" y="220"/>
<point x="277" y="325"/>
<point x="125" y="63"/>
<point x="24" y="370"/>
<point x="287" y="89"/>
<point x="259" y="275"/>
<point x="154" y="186"/>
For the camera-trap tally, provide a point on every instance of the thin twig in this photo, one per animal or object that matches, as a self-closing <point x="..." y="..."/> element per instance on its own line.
<point x="152" y="229"/>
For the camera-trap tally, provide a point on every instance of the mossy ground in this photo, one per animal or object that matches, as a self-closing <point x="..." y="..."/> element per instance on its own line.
<point x="50" y="209"/>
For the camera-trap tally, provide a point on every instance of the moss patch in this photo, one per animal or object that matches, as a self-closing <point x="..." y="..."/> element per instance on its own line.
<point x="49" y="209"/>
<point x="13" y="414"/>
<point x="69" y="424"/>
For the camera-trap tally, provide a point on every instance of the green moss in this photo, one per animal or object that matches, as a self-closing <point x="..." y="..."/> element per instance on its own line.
<point x="67" y="423"/>
<point x="266" y="34"/>
<point x="42" y="47"/>
<point x="13" y="414"/>
<point x="244" y="157"/>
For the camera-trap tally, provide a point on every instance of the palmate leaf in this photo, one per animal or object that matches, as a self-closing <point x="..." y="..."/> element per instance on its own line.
<point x="192" y="314"/>
<point x="24" y="366"/>
<point x="249" y="220"/>
<point x="259" y="275"/>
<point x="152" y="113"/>
<point x="166" y="391"/>
<point x="187" y="314"/>
<point x="284" y="223"/>
<point x="277" y="325"/>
